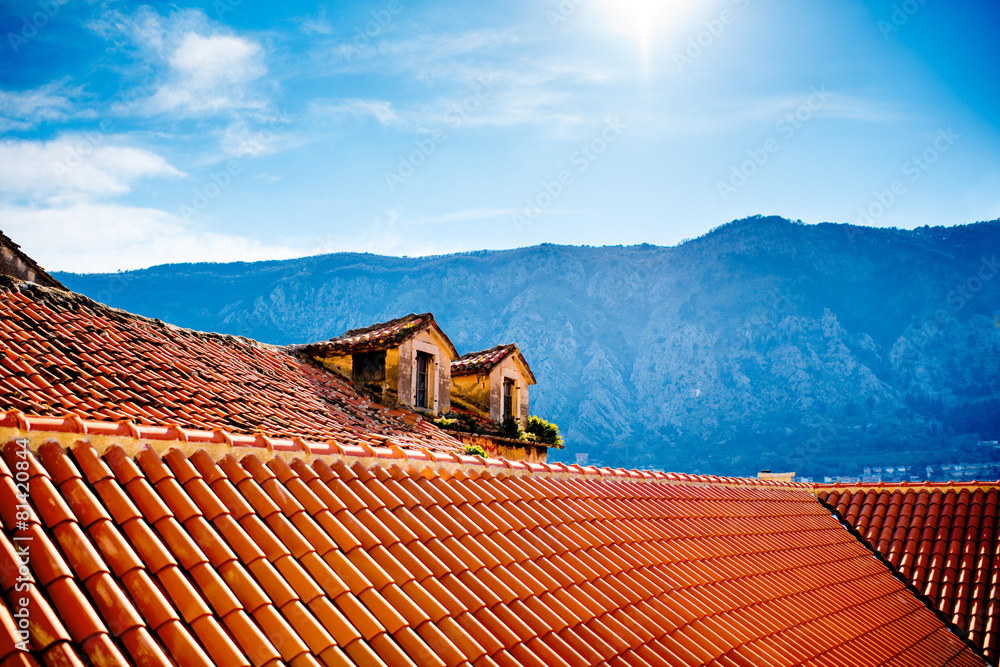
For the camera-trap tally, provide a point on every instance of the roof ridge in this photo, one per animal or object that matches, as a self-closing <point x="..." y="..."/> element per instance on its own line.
<point x="467" y="355"/>
<point x="351" y="333"/>
<point x="166" y="436"/>
<point x="926" y="601"/>
<point x="882" y="487"/>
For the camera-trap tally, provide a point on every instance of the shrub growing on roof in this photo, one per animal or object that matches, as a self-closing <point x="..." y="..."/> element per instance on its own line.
<point x="511" y="428"/>
<point x="475" y="450"/>
<point x="544" y="432"/>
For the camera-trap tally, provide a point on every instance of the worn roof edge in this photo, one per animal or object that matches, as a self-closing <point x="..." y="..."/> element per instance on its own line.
<point x="360" y="331"/>
<point x="39" y="271"/>
<point x="499" y="438"/>
<point x="926" y="601"/>
<point x="427" y="321"/>
<point x="510" y="347"/>
<point x="14" y="424"/>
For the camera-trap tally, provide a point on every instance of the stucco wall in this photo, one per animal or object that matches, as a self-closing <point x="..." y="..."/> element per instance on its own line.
<point x="342" y="366"/>
<point x="400" y="372"/>
<point x="444" y="383"/>
<point x="472" y="392"/>
<point x="508" y="368"/>
<point x="12" y="265"/>
<point x="483" y="393"/>
<point x="439" y="384"/>
<point x="392" y="371"/>
<point x="512" y="451"/>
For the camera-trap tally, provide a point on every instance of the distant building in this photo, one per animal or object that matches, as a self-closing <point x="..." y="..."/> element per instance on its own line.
<point x="776" y="476"/>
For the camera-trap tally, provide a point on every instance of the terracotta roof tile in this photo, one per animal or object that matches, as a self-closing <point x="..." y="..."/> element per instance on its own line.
<point x="485" y="360"/>
<point x="166" y="383"/>
<point x="932" y="534"/>
<point x="375" y="337"/>
<point x="293" y="557"/>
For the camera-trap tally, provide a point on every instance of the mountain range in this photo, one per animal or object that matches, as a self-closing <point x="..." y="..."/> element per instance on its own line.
<point x="764" y="344"/>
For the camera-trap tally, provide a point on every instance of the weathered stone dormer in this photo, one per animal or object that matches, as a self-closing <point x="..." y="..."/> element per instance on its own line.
<point x="406" y="361"/>
<point x="493" y="383"/>
<point x="14" y="263"/>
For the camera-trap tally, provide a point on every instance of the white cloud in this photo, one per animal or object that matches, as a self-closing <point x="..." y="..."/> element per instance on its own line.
<point x="210" y="74"/>
<point x="89" y="237"/>
<point x="380" y="110"/>
<point x="509" y="86"/>
<point x="428" y="56"/>
<point x="75" y="166"/>
<point x="318" y="25"/>
<point x="23" y="110"/>
<point x="714" y="119"/>
<point x="208" y="68"/>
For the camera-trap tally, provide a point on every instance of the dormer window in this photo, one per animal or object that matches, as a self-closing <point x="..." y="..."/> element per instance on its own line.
<point x="368" y="373"/>
<point x="424" y="361"/>
<point x="492" y="383"/>
<point x="508" y="398"/>
<point x="405" y="362"/>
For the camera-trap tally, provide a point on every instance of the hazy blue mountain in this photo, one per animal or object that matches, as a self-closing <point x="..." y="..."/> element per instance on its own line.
<point x="764" y="343"/>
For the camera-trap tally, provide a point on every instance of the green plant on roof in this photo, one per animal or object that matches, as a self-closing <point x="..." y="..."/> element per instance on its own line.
<point x="475" y="450"/>
<point x="511" y="428"/>
<point x="444" y="422"/>
<point x="539" y="430"/>
<point x="458" y="421"/>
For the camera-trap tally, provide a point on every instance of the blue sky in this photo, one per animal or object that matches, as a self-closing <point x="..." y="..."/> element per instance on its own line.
<point x="135" y="135"/>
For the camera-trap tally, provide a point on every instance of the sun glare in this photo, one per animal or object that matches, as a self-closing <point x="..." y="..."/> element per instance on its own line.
<point x="643" y="20"/>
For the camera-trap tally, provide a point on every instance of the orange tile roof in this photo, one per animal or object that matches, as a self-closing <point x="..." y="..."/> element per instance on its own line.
<point x="172" y="497"/>
<point x="434" y="560"/>
<point x="484" y="360"/>
<point x="942" y="538"/>
<point x="377" y="337"/>
<point x="64" y="354"/>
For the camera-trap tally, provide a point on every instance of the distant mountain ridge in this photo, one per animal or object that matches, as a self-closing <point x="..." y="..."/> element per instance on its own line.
<point x="764" y="343"/>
